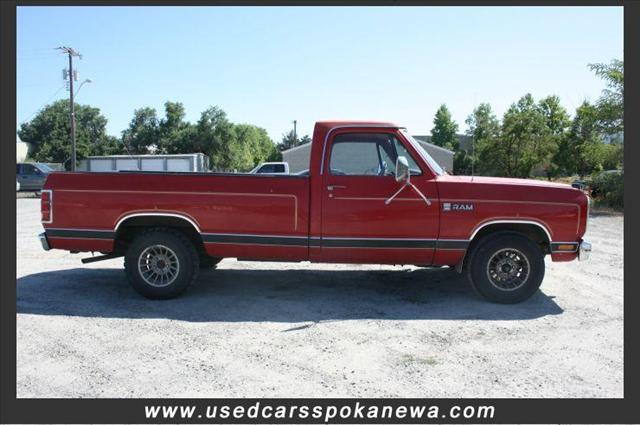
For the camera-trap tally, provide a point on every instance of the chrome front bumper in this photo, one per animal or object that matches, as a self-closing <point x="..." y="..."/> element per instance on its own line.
<point x="584" y="251"/>
<point x="44" y="242"/>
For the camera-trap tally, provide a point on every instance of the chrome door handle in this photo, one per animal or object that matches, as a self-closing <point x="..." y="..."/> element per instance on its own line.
<point x="335" y="186"/>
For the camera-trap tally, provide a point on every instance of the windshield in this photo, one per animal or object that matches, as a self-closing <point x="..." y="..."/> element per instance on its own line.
<point x="44" y="168"/>
<point x="423" y="153"/>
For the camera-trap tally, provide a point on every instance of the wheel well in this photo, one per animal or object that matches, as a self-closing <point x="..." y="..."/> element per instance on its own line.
<point x="130" y="227"/>
<point x="534" y="232"/>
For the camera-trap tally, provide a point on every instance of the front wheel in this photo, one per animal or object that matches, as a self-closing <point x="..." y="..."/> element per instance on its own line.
<point x="506" y="267"/>
<point x="161" y="263"/>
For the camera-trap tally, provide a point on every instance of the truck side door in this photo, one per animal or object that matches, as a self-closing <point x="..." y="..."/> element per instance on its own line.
<point x="358" y="177"/>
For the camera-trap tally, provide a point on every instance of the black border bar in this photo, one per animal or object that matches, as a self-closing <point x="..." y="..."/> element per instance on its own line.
<point x="224" y="238"/>
<point x="80" y="234"/>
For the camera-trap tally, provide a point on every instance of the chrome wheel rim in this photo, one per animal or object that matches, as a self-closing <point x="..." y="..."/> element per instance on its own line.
<point x="508" y="269"/>
<point x="158" y="265"/>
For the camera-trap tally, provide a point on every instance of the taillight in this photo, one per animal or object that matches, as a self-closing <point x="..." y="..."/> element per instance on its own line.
<point x="46" y="198"/>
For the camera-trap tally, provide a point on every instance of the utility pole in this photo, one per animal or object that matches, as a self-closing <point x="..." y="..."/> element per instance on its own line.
<point x="473" y="153"/>
<point x="295" y="133"/>
<point x="71" y="53"/>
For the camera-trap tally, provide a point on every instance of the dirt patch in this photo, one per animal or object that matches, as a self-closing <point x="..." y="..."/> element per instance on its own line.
<point x="254" y="329"/>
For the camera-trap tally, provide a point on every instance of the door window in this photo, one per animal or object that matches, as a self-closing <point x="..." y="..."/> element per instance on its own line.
<point x="29" y="169"/>
<point x="368" y="154"/>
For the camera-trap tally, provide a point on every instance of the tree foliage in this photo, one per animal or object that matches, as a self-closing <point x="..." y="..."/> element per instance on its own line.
<point x="231" y="147"/>
<point x="48" y="132"/>
<point x="524" y="141"/>
<point x="305" y="139"/>
<point x="557" y="121"/>
<point x="581" y="150"/>
<point x="611" y="103"/>
<point x="484" y="129"/>
<point x="291" y="140"/>
<point x="142" y="132"/>
<point x="444" y="129"/>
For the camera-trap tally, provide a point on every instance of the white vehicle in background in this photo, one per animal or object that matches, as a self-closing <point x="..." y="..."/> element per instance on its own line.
<point x="271" y="168"/>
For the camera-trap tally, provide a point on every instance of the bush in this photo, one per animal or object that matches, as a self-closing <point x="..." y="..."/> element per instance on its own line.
<point x="607" y="188"/>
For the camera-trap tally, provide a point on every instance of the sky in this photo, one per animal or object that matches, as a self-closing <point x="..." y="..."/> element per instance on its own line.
<point x="268" y="66"/>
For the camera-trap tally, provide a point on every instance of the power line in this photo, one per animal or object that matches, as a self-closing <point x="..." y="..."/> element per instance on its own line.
<point x="36" y="57"/>
<point x="45" y="103"/>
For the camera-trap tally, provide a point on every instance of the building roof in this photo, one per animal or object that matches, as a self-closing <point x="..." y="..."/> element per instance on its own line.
<point x="304" y="145"/>
<point x="464" y="140"/>
<point x="432" y="146"/>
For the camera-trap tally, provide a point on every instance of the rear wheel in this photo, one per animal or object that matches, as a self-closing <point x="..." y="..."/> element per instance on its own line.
<point x="161" y="263"/>
<point x="207" y="262"/>
<point x="506" y="267"/>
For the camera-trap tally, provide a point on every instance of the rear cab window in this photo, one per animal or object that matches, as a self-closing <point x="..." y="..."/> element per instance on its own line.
<point x="272" y="168"/>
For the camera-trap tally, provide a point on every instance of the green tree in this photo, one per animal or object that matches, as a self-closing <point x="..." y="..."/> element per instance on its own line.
<point x="524" y="141"/>
<point x="289" y="140"/>
<point x="557" y="121"/>
<point x="556" y="117"/>
<point x="613" y="156"/>
<point x="143" y="131"/>
<point x="444" y="129"/>
<point x="49" y="132"/>
<point x="484" y="128"/>
<point x="216" y="137"/>
<point x="258" y="145"/>
<point x="230" y="147"/>
<point x="173" y="130"/>
<point x="611" y="103"/>
<point x="305" y="139"/>
<point x="581" y="151"/>
<point x="462" y="163"/>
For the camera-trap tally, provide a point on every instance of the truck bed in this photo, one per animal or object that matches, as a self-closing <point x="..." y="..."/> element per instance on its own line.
<point x="226" y="209"/>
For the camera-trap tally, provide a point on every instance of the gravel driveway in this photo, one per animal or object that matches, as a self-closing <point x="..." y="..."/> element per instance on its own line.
<point x="253" y="329"/>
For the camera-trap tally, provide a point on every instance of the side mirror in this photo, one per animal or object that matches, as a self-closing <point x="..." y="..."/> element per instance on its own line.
<point x="403" y="174"/>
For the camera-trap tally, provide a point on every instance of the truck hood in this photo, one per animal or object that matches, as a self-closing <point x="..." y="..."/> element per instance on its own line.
<point x="499" y="188"/>
<point x="502" y="181"/>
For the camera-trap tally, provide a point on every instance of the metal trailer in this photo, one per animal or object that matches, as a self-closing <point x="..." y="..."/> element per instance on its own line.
<point x="195" y="162"/>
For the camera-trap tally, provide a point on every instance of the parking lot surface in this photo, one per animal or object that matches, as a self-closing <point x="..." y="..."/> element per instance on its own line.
<point x="253" y="329"/>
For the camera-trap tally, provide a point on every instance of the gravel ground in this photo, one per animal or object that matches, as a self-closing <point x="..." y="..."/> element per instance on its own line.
<point x="253" y="329"/>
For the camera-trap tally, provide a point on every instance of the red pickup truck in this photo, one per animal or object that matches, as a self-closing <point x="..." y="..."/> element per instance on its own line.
<point x="372" y="195"/>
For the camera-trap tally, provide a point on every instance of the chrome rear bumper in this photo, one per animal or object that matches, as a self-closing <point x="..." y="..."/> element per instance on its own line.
<point x="584" y="251"/>
<point x="44" y="242"/>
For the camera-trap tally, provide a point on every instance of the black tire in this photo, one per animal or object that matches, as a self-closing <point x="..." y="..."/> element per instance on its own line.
<point x="207" y="262"/>
<point x="506" y="267"/>
<point x="174" y="246"/>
